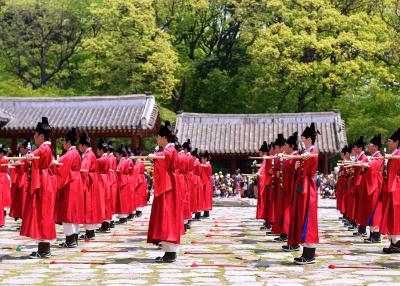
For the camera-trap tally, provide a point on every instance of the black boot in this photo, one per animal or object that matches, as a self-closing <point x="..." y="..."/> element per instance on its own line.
<point x="308" y="256"/>
<point x="130" y="217"/>
<point x="375" y="237"/>
<point x="139" y="213"/>
<point x="43" y="251"/>
<point x="112" y="224"/>
<point x="105" y="227"/>
<point x="76" y="236"/>
<point x="89" y="235"/>
<point x="187" y="227"/>
<point x="189" y="224"/>
<point x="123" y="220"/>
<point x="206" y="214"/>
<point x="281" y="238"/>
<point x="168" y="257"/>
<point x="197" y="216"/>
<point x="5" y="213"/>
<point x="69" y="242"/>
<point x="393" y="248"/>
<point x="362" y="231"/>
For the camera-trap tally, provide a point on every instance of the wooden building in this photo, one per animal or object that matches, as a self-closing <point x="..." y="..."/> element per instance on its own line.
<point x="131" y="116"/>
<point x="232" y="138"/>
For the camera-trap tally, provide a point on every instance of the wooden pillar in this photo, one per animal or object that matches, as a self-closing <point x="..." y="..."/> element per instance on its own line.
<point x="93" y="142"/>
<point x="326" y="163"/>
<point x="14" y="143"/>
<point x="53" y="140"/>
<point x="141" y="143"/>
<point x="233" y="164"/>
<point x="133" y="142"/>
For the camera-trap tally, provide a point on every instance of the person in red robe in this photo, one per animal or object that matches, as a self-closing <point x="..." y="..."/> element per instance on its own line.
<point x="304" y="218"/>
<point x="90" y="185"/>
<point x="206" y="173"/>
<point x="5" y="183"/>
<point x="103" y="170"/>
<point x="341" y="190"/>
<point x="198" y="186"/>
<point x="277" y="186"/>
<point x="390" y="222"/>
<point x="185" y="160"/>
<point x="370" y="210"/>
<point x="284" y="198"/>
<point x="124" y="189"/>
<point x="19" y="181"/>
<point x="359" y="186"/>
<point x="263" y="182"/>
<point x="133" y="185"/>
<point x="141" y="187"/>
<point x="114" y="182"/>
<point x="194" y="204"/>
<point x="38" y="219"/>
<point x="165" y="218"/>
<point x="70" y="198"/>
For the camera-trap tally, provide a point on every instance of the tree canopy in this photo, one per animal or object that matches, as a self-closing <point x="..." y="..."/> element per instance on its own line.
<point x="222" y="56"/>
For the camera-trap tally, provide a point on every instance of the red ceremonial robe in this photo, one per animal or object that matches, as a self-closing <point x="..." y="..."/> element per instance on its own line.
<point x="186" y="192"/>
<point x="390" y="223"/>
<point x="339" y="189"/>
<point x="103" y="169"/>
<point x="165" y="219"/>
<point x="199" y="185"/>
<point x="5" y="184"/>
<point x="304" y="219"/>
<point x="19" y="187"/>
<point x="90" y="183"/>
<point x="183" y="183"/>
<point x="124" y="192"/>
<point x="370" y="204"/>
<point x="284" y="198"/>
<point x="38" y="219"/>
<point x="70" y="196"/>
<point x="113" y="182"/>
<point x="133" y="185"/>
<point x="274" y="189"/>
<point x="264" y="181"/>
<point x="355" y="188"/>
<point x="141" y="185"/>
<point x="194" y="203"/>
<point x="206" y="172"/>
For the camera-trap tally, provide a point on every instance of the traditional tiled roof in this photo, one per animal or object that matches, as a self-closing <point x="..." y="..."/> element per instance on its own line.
<point x="244" y="133"/>
<point x="92" y="113"/>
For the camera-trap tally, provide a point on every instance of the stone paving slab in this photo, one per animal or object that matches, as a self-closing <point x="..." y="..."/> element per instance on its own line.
<point x="232" y="230"/>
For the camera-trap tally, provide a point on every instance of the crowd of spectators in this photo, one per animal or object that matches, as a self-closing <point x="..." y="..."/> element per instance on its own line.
<point x="246" y="186"/>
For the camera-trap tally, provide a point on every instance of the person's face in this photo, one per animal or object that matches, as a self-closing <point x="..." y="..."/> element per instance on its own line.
<point x="162" y="141"/>
<point x="23" y="150"/>
<point x="118" y="156"/>
<point x="307" y="142"/>
<point x="38" y="138"/>
<point x="372" y="148"/>
<point x="82" y="148"/>
<point x="393" y="145"/>
<point x="287" y="149"/>
<point x="100" y="152"/>
<point x="66" y="144"/>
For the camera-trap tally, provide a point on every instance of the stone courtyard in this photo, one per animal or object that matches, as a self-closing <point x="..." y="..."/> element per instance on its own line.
<point x="226" y="249"/>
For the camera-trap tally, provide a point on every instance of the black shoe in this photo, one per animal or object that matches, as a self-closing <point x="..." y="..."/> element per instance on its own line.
<point x="89" y="235"/>
<point x="206" y="214"/>
<point x="197" y="216"/>
<point x="290" y="248"/>
<point x="69" y="242"/>
<point x="130" y="217"/>
<point x="76" y="236"/>
<point x="43" y="251"/>
<point x="281" y="238"/>
<point x="123" y="220"/>
<point x="303" y="261"/>
<point x="393" y="248"/>
<point x="375" y="237"/>
<point x="105" y="227"/>
<point x="168" y="257"/>
<point x="351" y="227"/>
<point x="112" y="224"/>
<point x="187" y="227"/>
<point x="360" y="234"/>
<point x="139" y="213"/>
